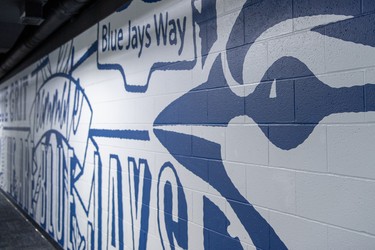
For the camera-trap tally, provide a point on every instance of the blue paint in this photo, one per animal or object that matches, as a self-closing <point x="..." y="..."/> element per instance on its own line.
<point x="206" y="19"/>
<point x="91" y="50"/>
<point x="361" y="30"/>
<point x="76" y="238"/>
<point x="368" y="6"/>
<point x="23" y="129"/>
<point x="257" y="16"/>
<point x="53" y="112"/>
<point x="303" y="8"/>
<point x="192" y="108"/>
<point x="144" y="214"/>
<point x="257" y="227"/>
<point x="140" y="135"/>
<point x="216" y="224"/>
<point x="304" y="101"/>
<point x="236" y="58"/>
<point x="100" y="198"/>
<point x="117" y="218"/>
<point x="113" y="229"/>
<point x="41" y="65"/>
<point x="253" y="20"/>
<point x="287" y="119"/>
<point x="177" y="231"/>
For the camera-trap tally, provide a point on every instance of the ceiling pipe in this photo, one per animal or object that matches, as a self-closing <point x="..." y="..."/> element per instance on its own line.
<point x="66" y="10"/>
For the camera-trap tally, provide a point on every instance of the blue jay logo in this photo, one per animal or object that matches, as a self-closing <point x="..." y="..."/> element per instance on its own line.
<point x="288" y="102"/>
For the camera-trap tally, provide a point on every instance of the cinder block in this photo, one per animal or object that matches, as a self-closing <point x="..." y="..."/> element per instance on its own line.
<point x="350" y="150"/>
<point x="326" y="10"/>
<point x="215" y="32"/>
<point x="237" y="174"/>
<point x="260" y="17"/>
<point x="271" y="188"/>
<point x="344" y="79"/>
<point x="237" y="33"/>
<point x="230" y="5"/>
<point x="343" y="239"/>
<point x="266" y="110"/>
<point x="211" y="35"/>
<point x="298" y="233"/>
<point x="196" y="234"/>
<point x="349" y="44"/>
<point x="208" y="10"/>
<point x="252" y="218"/>
<point x="369" y="79"/>
<point x="164" y="82"/>
<point x="311" y="155"/>
<point x="133" y="111"/>
<point x="315" y="100"/>
<point x="370" y="75"/>
<point x="222" y="106"/>
<point x="307" y="47"/>
<point x="163" y="101"/>
<point x="255" y="63"/>
<point x="368" y="6"/>
<point x="213" y="134"/>
<point x="339" y="201"/>
<point x="190" y="180"/>
<point x="235" y="67"/>
<point x="246" y="144"/>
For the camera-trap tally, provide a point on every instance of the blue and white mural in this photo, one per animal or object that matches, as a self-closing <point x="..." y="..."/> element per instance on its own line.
<point x="202" y="124"/>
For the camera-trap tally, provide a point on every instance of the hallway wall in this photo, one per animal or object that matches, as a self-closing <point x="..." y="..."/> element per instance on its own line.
<point x="207" y="124"/>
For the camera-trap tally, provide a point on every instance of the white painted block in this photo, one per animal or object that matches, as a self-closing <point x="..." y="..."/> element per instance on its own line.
<point x="370" y="75"/>
<point x="350" y="150"/>
<point x="129" y="111"/>
<point x="166" y="82"/>
<point x="197" y="208"/>
<point x="344" y="55"/>
<point x="339" y="201"/>
<point x="255" y="63"/>
<point x="298" y="233"/>
<point x="271" y="188"/>
<point x="196" y="239"/>
<point x="342" y="239"/>
<point x="251" y="247"/>
<point x="230" y="5"/>
<point x="246" y="144"/>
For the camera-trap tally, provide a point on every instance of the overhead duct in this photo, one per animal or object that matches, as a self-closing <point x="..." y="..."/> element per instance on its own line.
<point x="65" y="10"/>
<point x="32" y="14"/>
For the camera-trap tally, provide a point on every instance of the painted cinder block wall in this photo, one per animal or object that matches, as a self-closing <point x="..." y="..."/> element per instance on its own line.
<point x="212" y="124"/>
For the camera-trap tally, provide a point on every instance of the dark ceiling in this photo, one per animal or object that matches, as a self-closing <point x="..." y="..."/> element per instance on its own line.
<point x="19" y="19"/>
<point x="29" y="29"/>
